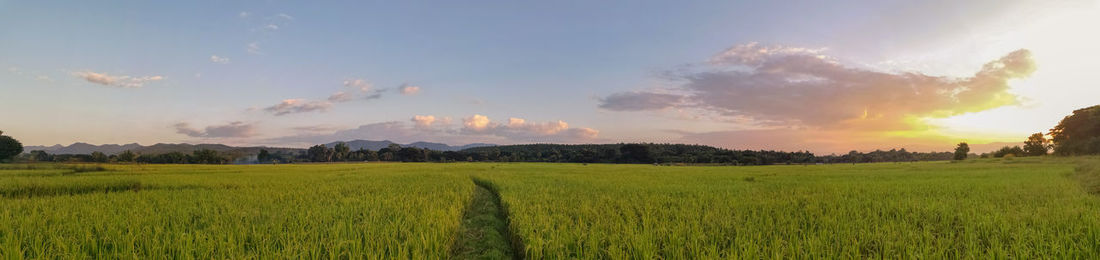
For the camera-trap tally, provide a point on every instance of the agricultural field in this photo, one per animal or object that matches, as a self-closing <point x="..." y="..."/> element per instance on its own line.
<point x="231" y="212"/>
<point x="1003" y="208"/>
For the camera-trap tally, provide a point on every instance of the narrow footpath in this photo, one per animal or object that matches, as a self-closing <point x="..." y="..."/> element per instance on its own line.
<point x="484" y="233"/>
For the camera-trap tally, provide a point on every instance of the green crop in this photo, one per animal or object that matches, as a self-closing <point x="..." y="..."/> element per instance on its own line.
<point x="1005" y="208"/>
<point x="231" y="212"/>
<point x="993" y="209"/>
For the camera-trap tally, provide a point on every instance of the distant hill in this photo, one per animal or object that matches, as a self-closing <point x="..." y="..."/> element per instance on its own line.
<point x="83" y="148"/>
<point x="376" y="145"/>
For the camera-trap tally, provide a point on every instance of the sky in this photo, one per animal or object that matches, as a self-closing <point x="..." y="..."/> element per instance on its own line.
<point x="820" y="76"/>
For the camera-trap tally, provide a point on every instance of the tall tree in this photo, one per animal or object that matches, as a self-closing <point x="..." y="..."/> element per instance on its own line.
<point x="341" y="151"/>
<point x="1036" y="145"/>
<point x="99" y="157"/>
<point x="9" y="147"/>
<point x="320" y="153"/>
<point x="961" y="151"/>
<point x="263" y="156"/>
<point x="127" y="156"/>
<point x="41" y="156"/>
<point x="1078" y="133"/>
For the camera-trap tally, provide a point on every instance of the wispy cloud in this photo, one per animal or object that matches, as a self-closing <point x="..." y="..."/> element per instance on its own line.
<point x="121" y="81"/>
<point x="407" y="89"/>
<point x="341" y="96"/>
<point x="217" y="59"/>
<point x="291" y="106"/>
<point x="254" y="48"/>
<point x="363" y="90"/>
<point x="233" y="129"/>
<point x="361" y="84"/>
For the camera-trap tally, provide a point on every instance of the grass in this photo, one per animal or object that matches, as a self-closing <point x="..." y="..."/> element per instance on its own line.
<point x="1088" y="173"/>
<point x="260" y="211"/>
<point x="988" y="209"/>
<point x="995" y="208"/>
<point x="484" y="232"/>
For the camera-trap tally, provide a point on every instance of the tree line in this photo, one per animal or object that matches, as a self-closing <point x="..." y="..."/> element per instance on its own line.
<point x="647" y="153"/>
<point x="201" y="156"/>
<point x="1076" y="134"/>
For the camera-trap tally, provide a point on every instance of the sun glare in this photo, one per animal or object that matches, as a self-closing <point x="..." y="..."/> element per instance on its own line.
<point x="1061" y="45"/>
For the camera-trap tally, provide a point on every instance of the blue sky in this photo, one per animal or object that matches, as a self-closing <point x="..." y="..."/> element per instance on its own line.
<point x="215" y="71"/>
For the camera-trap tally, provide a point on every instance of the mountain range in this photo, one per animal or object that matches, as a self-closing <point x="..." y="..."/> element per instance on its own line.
<point x="160" y="148"/>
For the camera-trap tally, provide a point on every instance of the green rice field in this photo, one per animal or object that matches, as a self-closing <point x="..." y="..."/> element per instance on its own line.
<point x="1004" y="208"/>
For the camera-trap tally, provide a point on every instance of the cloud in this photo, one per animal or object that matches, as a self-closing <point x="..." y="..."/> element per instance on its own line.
<point x="364" y="87"/>
<point x="799" y="98"/>
<point x="799" y="86"/>
<point x="635" y="101"/>
<point x="520" y="129"/>
<point x="298" y="105"/>
<point x="584" y="133"/>
<point x="116" y="81"/>
<point x="233" y="129"/>
<point x="216" y="59"/>
<point x="438" y="129"/>
<point x="290" y="106"/>
<point x="361" y="84"/>
<point x="375" y="95"/>
<point x="547" y="128"/>
<point x="476" y="122"/>
<point x="254" y="48"/>
<point x="341" y="96"/>
<point x="268" y="24"/>
<point x="423" y="121"/>
<point x="409" y="90"/>
<point x="753" y="54"/>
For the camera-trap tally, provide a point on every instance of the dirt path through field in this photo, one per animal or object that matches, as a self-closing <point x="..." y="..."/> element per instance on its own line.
<point x="484" y="233"/>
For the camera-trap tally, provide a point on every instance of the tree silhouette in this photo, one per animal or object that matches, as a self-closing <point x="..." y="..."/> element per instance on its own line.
<point x="320" y="153"/>
<point x="127" y="156"/>
<point x="1078" y="133"/>
<point x="961" y="151"/>
<point x="1036" y="145"/>
<point x="264" y="156"/>
<point x="341" y="151"/>
<point x="9" y="147"/>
